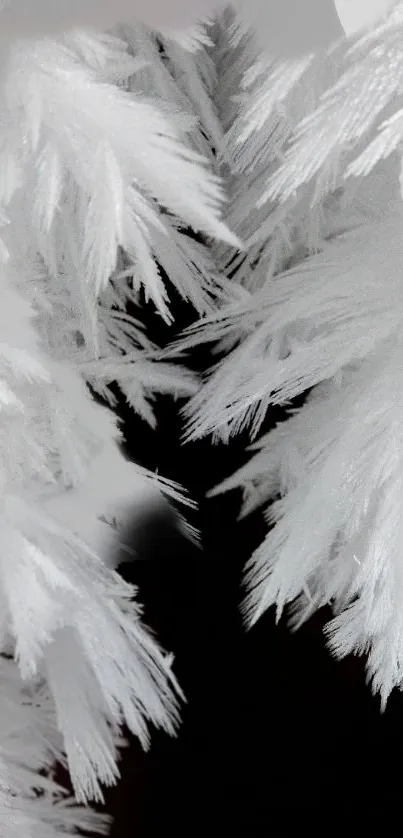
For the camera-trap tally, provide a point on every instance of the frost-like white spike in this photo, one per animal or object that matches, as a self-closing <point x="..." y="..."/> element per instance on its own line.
<point x="332" y="322"/>
<point x="31" y="802"/>
<point x="367" y="81"/>
<point x="106" y="166"/>
<point x="311" y="322"/>
<point x="337" y="529"/>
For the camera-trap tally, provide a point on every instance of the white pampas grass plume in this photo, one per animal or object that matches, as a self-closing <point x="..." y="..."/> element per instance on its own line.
<point x="332" y="325"/>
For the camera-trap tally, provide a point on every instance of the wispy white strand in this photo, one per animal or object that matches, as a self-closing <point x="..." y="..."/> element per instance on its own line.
<point x="89" y="200"/>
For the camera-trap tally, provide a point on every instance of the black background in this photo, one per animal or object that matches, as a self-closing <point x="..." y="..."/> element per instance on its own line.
<point x="276" y="736"/>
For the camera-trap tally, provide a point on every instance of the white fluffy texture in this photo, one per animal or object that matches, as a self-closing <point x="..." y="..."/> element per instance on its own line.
<point x="357" y="120"/>
<point x="53" y="587"/>
<point x="105" y="160"/>
<point x="89" y="199"/>
<point x="29" y="745"/>
<point x="338" y="461"/>
<point x="319" y="309"/>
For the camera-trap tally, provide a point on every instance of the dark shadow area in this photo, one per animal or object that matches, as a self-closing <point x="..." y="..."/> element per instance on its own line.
<point x="276" y="736"/>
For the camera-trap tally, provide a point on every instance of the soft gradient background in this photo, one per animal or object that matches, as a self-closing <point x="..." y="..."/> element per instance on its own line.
<point x="284" y="26"/>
